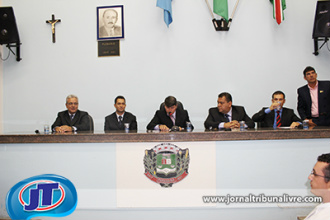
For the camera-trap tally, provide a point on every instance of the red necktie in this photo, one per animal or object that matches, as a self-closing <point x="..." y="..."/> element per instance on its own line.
<point x="278" y="119"/>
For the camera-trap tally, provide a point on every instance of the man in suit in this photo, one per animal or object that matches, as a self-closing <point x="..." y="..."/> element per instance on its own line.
<point x="226" y="115"/>
<point x="314" y="99"/>
<point x="109" y="28"/>
<point x="72" y="119"/>
<point x="320" y="187"/>
<point x="120" y="117"/>
<point x="168" y="116"/>
<point x="275" y="115"/>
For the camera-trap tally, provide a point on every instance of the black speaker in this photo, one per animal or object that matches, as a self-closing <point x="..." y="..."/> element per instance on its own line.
<point x="8" y="28"/>
<point x="322" y="20"/>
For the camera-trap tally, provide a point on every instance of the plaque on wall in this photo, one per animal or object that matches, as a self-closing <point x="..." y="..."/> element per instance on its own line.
<point x="108" y="48"/>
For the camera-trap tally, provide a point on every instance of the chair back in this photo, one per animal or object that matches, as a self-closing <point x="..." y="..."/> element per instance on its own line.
<point x="91" y="123"/>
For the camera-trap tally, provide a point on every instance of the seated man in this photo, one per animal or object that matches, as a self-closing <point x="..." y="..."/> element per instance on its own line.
<point x="275" y="115"/>
<point x="169" y="116"/>
<point x="72" y="119"/>
<point x="116" y="120"/>
<point x="226" y="115"/>
<point x="320" y="186"/>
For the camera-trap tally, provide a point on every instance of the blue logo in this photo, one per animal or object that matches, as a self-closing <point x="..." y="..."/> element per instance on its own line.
<point x="43" y="195"/>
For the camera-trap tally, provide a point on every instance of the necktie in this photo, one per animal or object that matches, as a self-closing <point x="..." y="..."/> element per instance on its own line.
<point x="71" y="117"/>
<point x="120" y="120"/>
<point x="278" y="119"/>
<point x="227" y="117"/>
<point x="172" y="118"/>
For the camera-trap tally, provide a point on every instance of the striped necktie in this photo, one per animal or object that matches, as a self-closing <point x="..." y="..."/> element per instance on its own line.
<point x="278" y="119"/>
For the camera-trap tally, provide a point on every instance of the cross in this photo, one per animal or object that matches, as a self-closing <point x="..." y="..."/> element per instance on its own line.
<point x="53" y="22"/>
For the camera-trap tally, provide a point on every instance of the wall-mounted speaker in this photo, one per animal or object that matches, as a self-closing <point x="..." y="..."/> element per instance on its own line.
<point x="322" y="20"/>
<point x="8" y="28"/>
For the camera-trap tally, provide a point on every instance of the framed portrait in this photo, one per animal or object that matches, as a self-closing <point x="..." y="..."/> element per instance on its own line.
<point x="110" y="22"/>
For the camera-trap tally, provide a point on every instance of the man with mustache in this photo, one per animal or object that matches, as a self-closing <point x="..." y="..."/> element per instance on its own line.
<point x="72" y="119"/>
<point x="226" y="115"/>
<point x="109" y="28"/>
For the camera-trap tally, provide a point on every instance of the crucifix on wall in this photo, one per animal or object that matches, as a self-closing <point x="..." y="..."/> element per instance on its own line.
<point x="53" y="22"/>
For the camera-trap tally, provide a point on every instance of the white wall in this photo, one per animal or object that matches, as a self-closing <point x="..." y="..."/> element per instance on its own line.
<point x="189" y="60"/>
<point x="1" y="89"/>
<point x="1" y="93"/>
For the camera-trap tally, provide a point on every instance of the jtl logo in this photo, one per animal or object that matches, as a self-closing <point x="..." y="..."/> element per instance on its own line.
<point x="43" y="195"/>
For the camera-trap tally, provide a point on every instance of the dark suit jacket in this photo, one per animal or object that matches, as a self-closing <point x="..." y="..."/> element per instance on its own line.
<point x="305" y="103"/>
<point x="111" y="122"/>
<point x="161" y="118"/>
<point x="267" y="120"/>
<point x="80" y="121"/>
<point x="238" y="113"/>
<point x="103" y="33"/>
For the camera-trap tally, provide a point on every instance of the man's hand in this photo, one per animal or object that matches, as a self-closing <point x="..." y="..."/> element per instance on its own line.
<point x="311" y="123"/>
<point x="294" y="124"/>
<point x="63" y="129"/>
<point x="232" y="124"/>
<point x="163" y="128"/>
<point x="274" y="105"/>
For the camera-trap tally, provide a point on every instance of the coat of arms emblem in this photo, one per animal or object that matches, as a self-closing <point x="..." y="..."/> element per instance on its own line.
<point x="166" y="164"/>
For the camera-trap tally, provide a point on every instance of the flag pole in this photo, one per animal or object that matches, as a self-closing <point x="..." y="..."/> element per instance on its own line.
<point x="232" y="15"/>
<point x="208" y="5"/>
<point x="212" y="15"/>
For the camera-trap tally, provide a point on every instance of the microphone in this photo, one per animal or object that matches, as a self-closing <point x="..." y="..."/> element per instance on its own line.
<point x="175" y="128"/>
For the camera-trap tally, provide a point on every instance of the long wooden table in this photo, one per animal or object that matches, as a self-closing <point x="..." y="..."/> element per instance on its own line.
<point x="115" y="137"/>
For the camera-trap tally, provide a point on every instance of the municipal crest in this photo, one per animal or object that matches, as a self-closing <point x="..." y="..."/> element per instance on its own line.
<point x="166" y="164"/>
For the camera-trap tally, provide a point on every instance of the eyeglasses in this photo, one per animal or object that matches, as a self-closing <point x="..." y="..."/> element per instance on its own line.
<point x="72" y="103"/>
<point x="315" y="174"/>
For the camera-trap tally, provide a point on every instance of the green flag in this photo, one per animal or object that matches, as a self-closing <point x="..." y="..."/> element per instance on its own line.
<point x="220" y="7"/>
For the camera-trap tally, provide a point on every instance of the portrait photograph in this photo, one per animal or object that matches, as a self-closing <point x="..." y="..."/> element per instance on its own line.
<point x="110" y="22"/>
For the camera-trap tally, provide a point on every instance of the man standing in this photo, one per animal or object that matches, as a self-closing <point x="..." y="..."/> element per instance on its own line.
<point x="72" y="119"/>
<point x="320" y="186"/>
<point x="275" y="115"/>
<point x="109" y="28"/>
<point x="116" y="120"/>
<point x="314" y="99"/>
<point x="168" y="116"/>
<point x="226" y="115"/>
